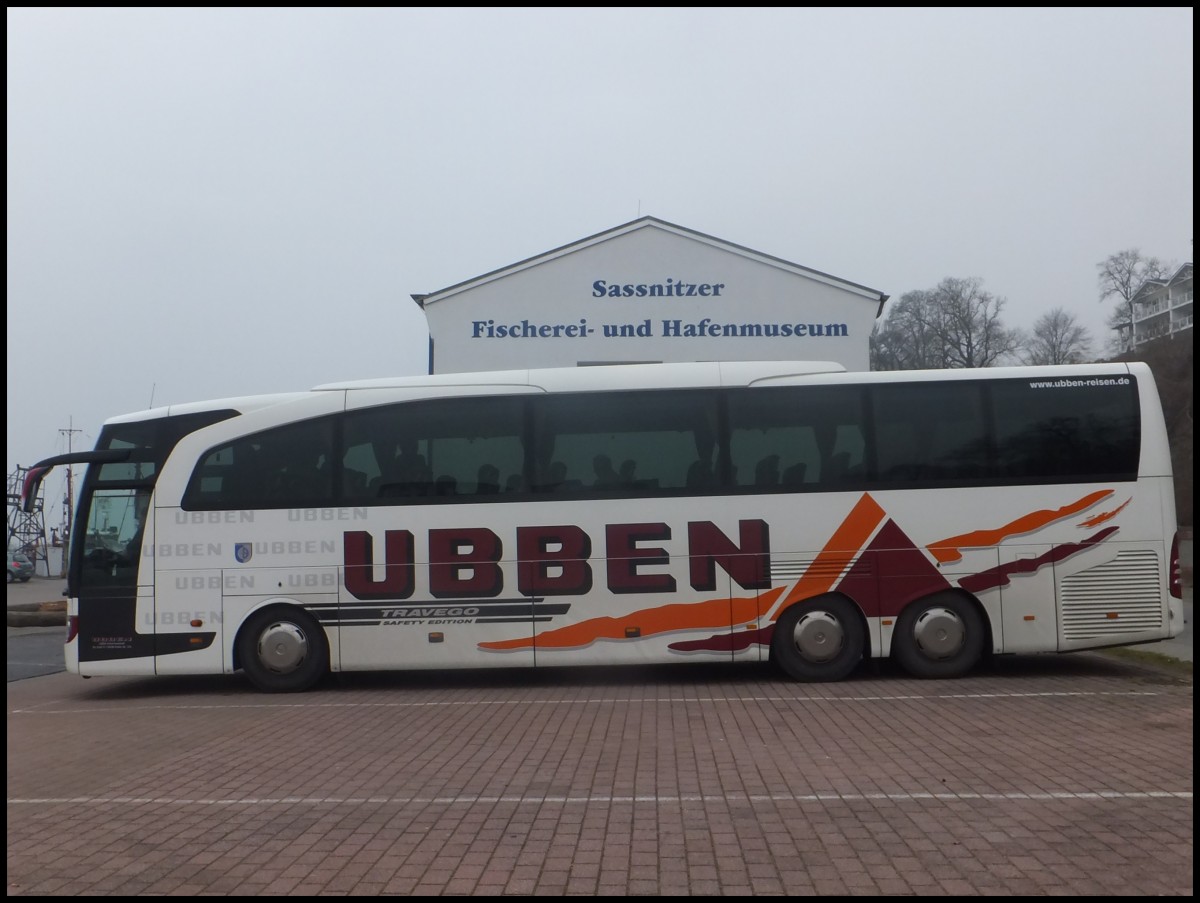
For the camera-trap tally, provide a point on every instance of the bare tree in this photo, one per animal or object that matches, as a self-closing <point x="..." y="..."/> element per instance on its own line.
<point x="908" y="339"/>
<point x="1121" y="275"/>
<point x="971" y="330"/>
<point x="956" y="324"/>
<point x="1058" y="338"/>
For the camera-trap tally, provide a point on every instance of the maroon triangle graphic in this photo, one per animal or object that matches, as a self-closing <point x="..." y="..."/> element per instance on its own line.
<point x="890" y="573"/>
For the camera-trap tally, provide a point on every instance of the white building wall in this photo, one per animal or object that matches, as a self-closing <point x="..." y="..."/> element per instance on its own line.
<point x="733" y="304"/>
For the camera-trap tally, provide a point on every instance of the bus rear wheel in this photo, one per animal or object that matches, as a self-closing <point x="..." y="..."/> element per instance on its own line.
<point x="941" y="636"/>
<point x="820" y="641"/>
<point x="283" y="650"/>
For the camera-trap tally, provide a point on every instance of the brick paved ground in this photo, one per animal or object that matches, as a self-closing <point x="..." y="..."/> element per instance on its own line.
<point x="1054" y="775"/>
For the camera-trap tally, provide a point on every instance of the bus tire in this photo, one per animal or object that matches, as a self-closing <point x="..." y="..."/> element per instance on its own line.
<point x="939" y="637"/>
<point x="283" y="650"/>
<point x="820" y="640"/>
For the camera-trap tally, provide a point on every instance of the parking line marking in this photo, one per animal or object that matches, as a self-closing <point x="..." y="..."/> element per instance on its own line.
<point x="657" y="799"/>
<point x="606" y="700"/>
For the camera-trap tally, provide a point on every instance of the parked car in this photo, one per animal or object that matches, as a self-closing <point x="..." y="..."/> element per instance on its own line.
<point x="19" y="567"/>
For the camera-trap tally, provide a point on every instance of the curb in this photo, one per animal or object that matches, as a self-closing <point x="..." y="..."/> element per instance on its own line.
<point x="38" y="614"/>
<point x="37" y="619"/>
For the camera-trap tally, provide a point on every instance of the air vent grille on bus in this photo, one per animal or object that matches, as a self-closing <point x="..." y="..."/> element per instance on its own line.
<point x="784" y="570"/>
<point x="1120" y="597"/>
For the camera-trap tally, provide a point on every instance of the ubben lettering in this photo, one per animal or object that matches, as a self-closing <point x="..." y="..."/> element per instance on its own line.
<point x="556" y="560"/>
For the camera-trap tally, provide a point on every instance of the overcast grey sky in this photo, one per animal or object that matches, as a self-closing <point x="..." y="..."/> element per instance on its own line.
<point x="204" y="203"/>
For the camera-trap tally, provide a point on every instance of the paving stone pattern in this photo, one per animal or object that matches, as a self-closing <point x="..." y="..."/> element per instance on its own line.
<point x="1047" y="775"/>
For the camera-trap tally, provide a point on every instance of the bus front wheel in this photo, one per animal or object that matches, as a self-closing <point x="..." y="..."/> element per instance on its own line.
<point x="821" y="640"/>
<point x="941" y="636"/>
<point x="283" y="650"/>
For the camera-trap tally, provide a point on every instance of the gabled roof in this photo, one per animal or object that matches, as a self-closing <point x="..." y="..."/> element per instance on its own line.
<point x="1147" y="287"/>
<point x="1184" y="271"/>
<point x="650" y="222"/>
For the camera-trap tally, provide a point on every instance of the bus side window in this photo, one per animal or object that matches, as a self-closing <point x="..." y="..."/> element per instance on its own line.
<point x="407" y="475"/>
<point x="657" y="437"/>
<point x="606" y="475"/>
<point x="488" y="482"/>
<point x="556" y="477"/>
<point x="700" y="475"/>
<point x="1080" y="432"/>
<point x="797" y="438"/>
<point x="766" y="472"/>
<point x="930" y="432"/>
<point x="839" y="467"/>
<point x="794" y="475"/>
<point x="354" y="483"/>
<point x="245" y="475"/>
<point x="627" y="474"/>
<point x="360" y="470"/>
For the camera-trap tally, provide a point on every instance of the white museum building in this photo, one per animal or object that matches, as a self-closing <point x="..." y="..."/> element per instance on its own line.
<point x="648" y="291"/>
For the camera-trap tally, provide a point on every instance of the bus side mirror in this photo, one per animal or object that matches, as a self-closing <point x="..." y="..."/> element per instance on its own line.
<point x="29" y="489"/>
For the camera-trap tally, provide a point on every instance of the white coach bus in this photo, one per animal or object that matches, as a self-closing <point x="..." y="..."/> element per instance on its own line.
<point x="628" y="514"/>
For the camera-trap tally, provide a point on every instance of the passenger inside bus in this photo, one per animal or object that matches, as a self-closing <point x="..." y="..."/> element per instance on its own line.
<point x="406" y="475"/>
<point x="606" y="477"/>
<point x="766" y="474"/>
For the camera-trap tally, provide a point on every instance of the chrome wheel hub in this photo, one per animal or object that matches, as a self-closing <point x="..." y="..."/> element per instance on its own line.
<point x="818" y="636"/>
<point x="282" y="647"/>
<point x="939" y="633"/>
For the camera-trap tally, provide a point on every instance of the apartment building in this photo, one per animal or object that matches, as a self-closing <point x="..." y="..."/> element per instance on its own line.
<point x="1161" y="307"/>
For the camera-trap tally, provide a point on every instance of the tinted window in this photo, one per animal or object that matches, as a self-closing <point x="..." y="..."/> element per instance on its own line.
<point x="930" y="432"/>
<point x="453" y="449"/>
<point x="1087" y="429"/>
<point x="592" y="445"/>
<point x="149" y="441"/>
<point x="290" y="466"/>
<point x="796" y="439"/>
<point x="624" y="443"/>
